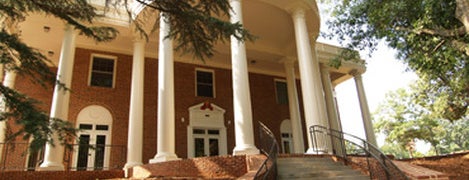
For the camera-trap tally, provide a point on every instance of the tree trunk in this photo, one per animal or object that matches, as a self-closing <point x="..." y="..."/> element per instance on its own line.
<point x="462" y="13"/>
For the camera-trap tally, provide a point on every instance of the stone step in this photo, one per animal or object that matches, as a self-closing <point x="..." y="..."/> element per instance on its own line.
<point x="316" y="173"/>
<point x="308" y="168"/>
<point x="315" y="168"/>
<point x="362" y="177"/>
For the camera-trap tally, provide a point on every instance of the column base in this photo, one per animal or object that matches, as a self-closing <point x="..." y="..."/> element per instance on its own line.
<point x="246" y="150"/>
<point x="128" y="168"/>
<point x="51" y="166"/>
<point x="316" y="151"/>
<point x="131" y="164"/>
<point x="163" y="157"/>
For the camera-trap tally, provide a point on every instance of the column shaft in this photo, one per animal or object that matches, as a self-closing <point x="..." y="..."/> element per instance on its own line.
<point x="332" y="112"/>
<point x="293" y="103"/>
<point x="370" y="134"/>
<point x="9" y="81"/>
<point x="313" y="98"/>
<point x="244" y="131"/>
<point x="166" y="114"/>
<point x="53" y="157"/>
<point x="135" y="133"/>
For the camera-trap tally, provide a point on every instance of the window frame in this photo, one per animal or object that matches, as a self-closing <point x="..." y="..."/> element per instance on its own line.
<point x="114" y="71"/>
<point x="277" y="99"/>
<point x="213" y="81"/>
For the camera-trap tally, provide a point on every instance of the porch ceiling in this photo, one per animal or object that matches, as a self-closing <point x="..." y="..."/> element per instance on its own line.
<point x="269" y="20"/>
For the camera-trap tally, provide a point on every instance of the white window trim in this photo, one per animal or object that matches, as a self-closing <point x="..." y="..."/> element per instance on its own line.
<point x="275" y="87"/>
<point x="213" y="81"/>
<point x="90" y="69"/>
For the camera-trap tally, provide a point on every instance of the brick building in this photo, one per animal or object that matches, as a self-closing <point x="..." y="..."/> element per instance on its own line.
<point x="141" y="102"/>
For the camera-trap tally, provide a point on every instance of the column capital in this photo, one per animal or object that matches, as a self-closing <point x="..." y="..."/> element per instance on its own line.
<point x="137" y="35"/>
<point x="289" y="61"/>
<point x="297" y="12"/>
<point x="324" y="66"/>
<point x="137" y="39"/>
<point x="355" y="73"/>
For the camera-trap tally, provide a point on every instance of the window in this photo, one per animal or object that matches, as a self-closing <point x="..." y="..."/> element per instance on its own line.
<point x="102" y="71"/>
<point x="204" y="83"/>
<point x="281" y="90"/>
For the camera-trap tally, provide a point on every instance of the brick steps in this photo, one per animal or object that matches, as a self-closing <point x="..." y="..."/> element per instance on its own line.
<point x="311" y="167"/>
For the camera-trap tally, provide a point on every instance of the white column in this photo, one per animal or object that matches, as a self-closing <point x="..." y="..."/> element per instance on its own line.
<point x="331" y="107"/>
<point x="313" y="98"/>
<point x="9" y="81"/>
<point x="293" y="104"/>
<point x="53" y="157"/>
<point x="166" y="114"/>
<point x="244" y="131"/>
<point x="11" y="27"/>
<point x="370" y="134"/>
<point x="135" y="133"/>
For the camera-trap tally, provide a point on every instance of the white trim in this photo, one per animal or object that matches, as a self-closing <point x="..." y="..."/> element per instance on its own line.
<point x="90" y="69"/>
<point x="276" y="92"/>
<point x="206" y="119"/>
<point x="213" y="81"/>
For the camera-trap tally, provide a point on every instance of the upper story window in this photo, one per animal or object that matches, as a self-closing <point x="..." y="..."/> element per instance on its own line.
<point x="281" y="91"/>
<point x="102" y="71"/>
<point x="204" y="80"/>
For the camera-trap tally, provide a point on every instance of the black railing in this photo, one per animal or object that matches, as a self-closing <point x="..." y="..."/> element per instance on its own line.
<point x="16" y="156"/>
<point x="268" y="146"/>
<point x="354" y="149"/>
<point x="105" y="157"/>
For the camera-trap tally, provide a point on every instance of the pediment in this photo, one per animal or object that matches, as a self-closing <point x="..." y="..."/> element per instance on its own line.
<point x="207" y="107"/>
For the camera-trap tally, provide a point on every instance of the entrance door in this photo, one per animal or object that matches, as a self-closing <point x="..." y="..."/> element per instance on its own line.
<point x="287" y="138"/>
<point x="206" y="142"/>
<point x="92" y="153"/>
<point x="287" y="145"/>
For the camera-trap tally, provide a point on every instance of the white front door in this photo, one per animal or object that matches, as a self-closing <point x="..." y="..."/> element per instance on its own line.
<point x="92" y="153"/>
<point x="206" y="142"/>
<point x="94" y="150"/>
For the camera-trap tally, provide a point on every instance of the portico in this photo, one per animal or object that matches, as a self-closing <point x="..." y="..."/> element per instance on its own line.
<point x="286" y="49"/>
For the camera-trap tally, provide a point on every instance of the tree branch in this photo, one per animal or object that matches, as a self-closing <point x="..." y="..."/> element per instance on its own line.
<point x="438" y="32"/>
<point x="461" y="46"/>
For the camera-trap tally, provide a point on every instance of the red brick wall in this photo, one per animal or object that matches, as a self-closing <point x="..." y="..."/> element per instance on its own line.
<point x="117" y="99"/>
<point x="220" y="167"/>
<point x="60" y="175"/>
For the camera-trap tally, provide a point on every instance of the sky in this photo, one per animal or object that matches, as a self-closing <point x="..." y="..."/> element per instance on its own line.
<point x="384" y="74"/>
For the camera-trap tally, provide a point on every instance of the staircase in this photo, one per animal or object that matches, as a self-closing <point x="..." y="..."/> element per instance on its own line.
<point x="303" y="168"/>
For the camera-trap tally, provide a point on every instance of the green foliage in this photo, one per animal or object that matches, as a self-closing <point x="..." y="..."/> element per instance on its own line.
<point x="197" y="26"/>
<point x="405" y="117"/>
<point x="27" y="61"/>
<point x="427" y="35"/>
<point x="455" y="138"/>
<point x="396" y="150"/>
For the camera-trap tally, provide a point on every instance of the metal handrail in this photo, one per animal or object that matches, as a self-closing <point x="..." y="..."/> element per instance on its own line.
<point x="13" y="156"/>
<point x="391" y="171"/>
<point x="118" y="155"/>
<point x="269" y="147"/>
<point x="16" y="156"/>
